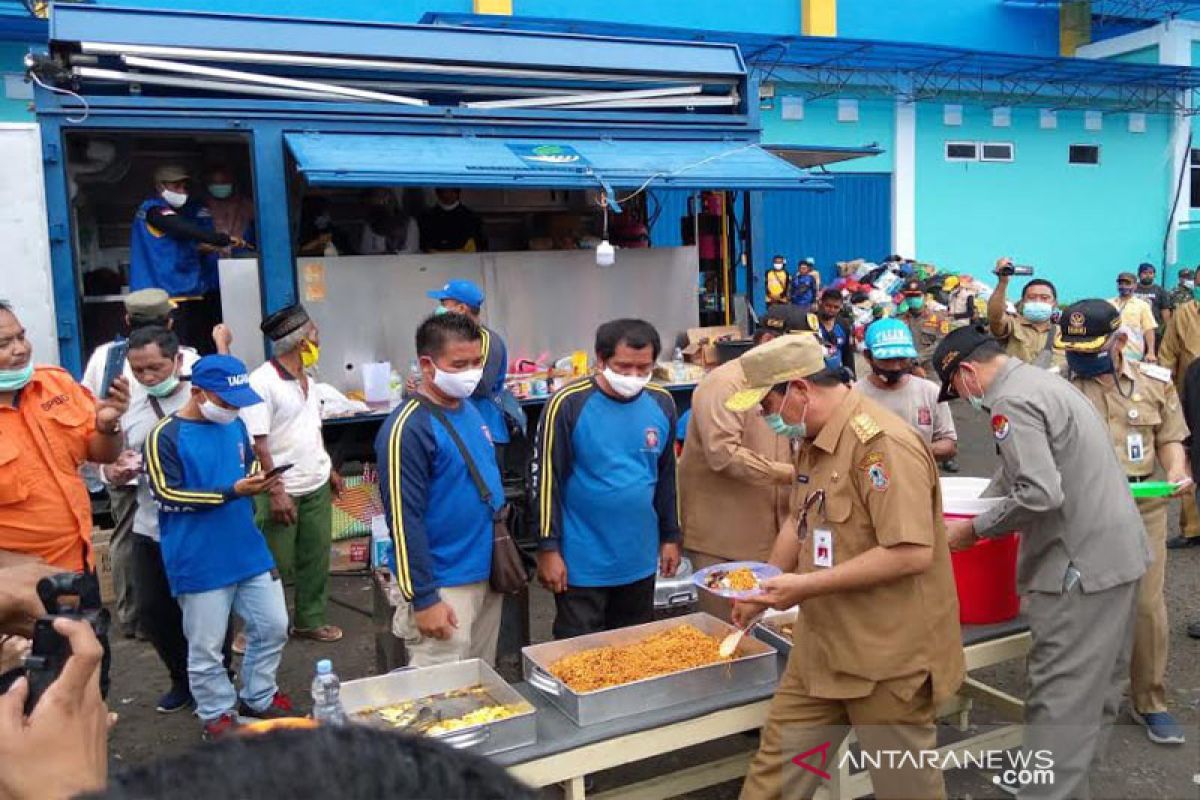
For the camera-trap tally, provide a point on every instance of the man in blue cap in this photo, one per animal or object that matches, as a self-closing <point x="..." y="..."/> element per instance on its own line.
<point x="203" y="472"/>
<point x="891" y="354"/>
<point x="465" y="297"/>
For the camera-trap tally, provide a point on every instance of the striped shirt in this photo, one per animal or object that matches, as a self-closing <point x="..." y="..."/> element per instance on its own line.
<point x="441" y="529"/>
<point x="208" y="536"/>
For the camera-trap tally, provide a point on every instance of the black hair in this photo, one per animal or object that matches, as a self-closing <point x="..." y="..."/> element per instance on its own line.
<point x="778" y="257"/>
<point x="7" y="306"/>
<point x="353" y="761"/>
<point x="984" y="353"/>
<point x="166" y="340"/>
<point x="1146" y="266"/>
<point x="1040" y="282"/>
<point x="832" y="294"/>
<point x="635" y="333"/>
<point x="439" y="329"/>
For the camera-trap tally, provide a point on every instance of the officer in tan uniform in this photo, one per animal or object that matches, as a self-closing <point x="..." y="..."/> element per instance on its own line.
<point x="927" y="326"/>
<point x="1180" y="347"/>
<point x="1029" y="334"/>
<point x="864" y="554"/>
<point x="1146" y="423"/>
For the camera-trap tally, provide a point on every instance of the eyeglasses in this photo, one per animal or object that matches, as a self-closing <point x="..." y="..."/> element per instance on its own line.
<point x="813" y="500"/>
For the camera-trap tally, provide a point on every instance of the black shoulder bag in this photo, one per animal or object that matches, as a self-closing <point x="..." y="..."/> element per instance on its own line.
<point x="508" y="574"/>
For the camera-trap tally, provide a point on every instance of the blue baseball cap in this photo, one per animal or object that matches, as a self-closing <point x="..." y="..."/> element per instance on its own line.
<point x="226" y="377"/>
<point x="460" y="291"/>
<point x="889" y="338"/>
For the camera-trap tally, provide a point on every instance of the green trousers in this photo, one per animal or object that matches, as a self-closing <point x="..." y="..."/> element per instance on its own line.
<point x="301" y="551"/>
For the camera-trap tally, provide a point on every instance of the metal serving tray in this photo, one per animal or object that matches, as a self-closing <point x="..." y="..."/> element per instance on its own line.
<point x="755" y="663"/>
<point x="768" y="630"/>
<point x="410" y="683"/>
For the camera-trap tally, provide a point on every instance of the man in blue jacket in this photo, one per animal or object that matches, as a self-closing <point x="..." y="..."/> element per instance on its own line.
<point x="605" y="487"/>
<point x="440" y="524"/>
<point x="202" y="471"/>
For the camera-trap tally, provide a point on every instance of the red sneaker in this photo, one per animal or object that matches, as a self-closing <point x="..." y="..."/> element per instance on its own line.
<point x="279" y="707"/>
<point x="221" y="726"/>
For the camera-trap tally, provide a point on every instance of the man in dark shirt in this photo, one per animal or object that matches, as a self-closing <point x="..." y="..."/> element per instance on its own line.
<point x="834" y="333"/>
<point x="451" y="227"/>
<point x="173" y="246"/>
<point x="1159" y="298"/>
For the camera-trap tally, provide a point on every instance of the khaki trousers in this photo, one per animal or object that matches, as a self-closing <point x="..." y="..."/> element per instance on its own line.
<point x="478" y="610"/>
<point x="1148" y="665"/>
<point x="1189" y="517"/>
<point x="884" y="720"/>
<point x="709" y="603"/>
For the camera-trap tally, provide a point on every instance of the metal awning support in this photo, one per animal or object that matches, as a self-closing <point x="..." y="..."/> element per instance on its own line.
<point x="117" y="76"/>
<point x="589" y="97"/>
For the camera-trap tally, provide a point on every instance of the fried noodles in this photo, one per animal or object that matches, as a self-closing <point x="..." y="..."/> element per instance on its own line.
<point x="674" y="650"/>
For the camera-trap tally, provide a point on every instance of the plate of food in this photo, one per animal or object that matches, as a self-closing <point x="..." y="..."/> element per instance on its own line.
<point x="736" y="580"/>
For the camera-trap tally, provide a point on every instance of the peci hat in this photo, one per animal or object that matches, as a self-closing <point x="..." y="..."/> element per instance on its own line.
<point x="1085" y="326"/>
<point x="461" y="291"/>
<point x="148" y="305"/>
<point x="955" y="348"/>
<point x="284" y="321"/>
<point x="226" y="377"/>
<point x="787" y="358"/>
<point x="169" y="173"/>
<point x="889" y="338"/>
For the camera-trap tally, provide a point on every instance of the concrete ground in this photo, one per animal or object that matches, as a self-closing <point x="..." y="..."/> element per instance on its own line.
<point x="1132" y="768"/>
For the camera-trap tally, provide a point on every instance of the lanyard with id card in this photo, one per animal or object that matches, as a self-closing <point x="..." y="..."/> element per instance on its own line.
<point x="822" y="538"/>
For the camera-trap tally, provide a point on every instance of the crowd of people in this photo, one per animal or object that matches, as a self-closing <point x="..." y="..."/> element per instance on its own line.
<point x="818" y="450"/>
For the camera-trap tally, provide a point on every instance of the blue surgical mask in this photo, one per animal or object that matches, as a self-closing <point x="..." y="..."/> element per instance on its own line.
<point x="975" y="402"/>
<point x="1036" y="310"/>
<point x="13" y="379"/>
<point x="1090" y="365"/>
<point x="439" y="310"/>
<point x="780" y="428"/>
<point x="221" y="191"/>
<point x="164" y="387"/>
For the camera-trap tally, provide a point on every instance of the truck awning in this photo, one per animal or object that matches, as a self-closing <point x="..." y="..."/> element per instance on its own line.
<point x="399" y="160"/>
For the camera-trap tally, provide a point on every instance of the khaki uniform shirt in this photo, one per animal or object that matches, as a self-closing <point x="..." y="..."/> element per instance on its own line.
<point x="1060" y="485"/>
<point x="927" y="330"/>
<point x="1181" y="343"/>
<point x="735" y="474"/>
<point x="1024" y="340"/>
<point x="881" y="489"/>
<point x="1144" y="415"/>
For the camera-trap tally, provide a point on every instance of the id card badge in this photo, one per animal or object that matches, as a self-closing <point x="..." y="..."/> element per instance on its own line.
<point x="1134" y="447"/>
<point x="822" y="547"/>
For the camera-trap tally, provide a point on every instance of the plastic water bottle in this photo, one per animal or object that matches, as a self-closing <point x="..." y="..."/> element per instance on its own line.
<point x="326" y="694"/>
<point x="678" y="370"/>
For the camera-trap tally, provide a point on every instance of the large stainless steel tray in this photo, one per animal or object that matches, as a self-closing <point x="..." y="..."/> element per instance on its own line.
<point x="770" y="629"/>
<point x="416" y="683"/>
<point x="755" y="663"/>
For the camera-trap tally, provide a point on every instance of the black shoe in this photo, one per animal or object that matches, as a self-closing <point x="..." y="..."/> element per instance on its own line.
<point x="951" y="466"/>
<point x="1193" y="630"/>
<point x="177" y="699"/>
<point x="1182" y="542"/>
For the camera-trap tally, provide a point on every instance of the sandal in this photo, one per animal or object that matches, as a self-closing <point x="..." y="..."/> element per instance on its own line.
<point x="324" y="633"/>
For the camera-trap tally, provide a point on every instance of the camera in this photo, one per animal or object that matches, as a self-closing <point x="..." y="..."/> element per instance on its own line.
<point x="1015" y="269"/>
<point x="51" y="649"/>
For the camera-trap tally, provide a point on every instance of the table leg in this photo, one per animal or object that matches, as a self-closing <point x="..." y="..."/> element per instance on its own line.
<point x="574" y="789"/>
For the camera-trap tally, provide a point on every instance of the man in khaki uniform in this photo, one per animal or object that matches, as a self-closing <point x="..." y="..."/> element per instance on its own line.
<point x="1145" y="421"/>
<point x="927" y="326"/>
<point x="1180" y="347"/>
<point x="1028" y="335"/>
<point x="735" y="474"/>
<point x="865" y="557"/>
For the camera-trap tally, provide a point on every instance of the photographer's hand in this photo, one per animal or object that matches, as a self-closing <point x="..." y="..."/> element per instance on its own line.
<point x="60" y="750"/>
<point x="19" y="602"/>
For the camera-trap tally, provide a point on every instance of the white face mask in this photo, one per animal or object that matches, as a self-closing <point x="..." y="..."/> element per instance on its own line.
<point x="174" y="199"/>
<point x="459" y="385"/>
<point x="218" y="414"/>
<point x="449" y="206"/>
<point x="627" y="386"/>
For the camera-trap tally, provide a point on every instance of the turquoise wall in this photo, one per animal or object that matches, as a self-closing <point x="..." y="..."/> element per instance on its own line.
<point x="12" y="55"/>
<point x="977" y="24"/>
<point x="1147" y="55"/>
<point x="1078" y="225"/>
<point x="821" y="127"/>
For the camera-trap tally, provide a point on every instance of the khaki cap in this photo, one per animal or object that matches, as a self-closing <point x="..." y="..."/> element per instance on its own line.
<point x="148" y="304"/>
<point x="787" y="358"/>
<point x="169" y="173"/>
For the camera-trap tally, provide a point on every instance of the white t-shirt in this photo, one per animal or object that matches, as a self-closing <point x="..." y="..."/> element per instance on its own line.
<point x="916" y="403"/>
<point x="93" y="376"/>
<point x="290" y="418"/>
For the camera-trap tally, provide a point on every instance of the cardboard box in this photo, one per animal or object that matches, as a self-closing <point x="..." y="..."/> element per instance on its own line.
<point x="701" y="347"/>
<point x="350" y="555"/>
<point x="104" y="568"/>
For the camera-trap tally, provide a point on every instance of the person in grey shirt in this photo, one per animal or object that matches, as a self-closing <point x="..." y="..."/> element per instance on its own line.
<point x="1083" y="546"/>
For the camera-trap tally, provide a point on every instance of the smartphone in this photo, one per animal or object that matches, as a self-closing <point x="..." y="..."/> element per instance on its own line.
<point x="282" y="468"/>
<point x="114" y="364"/>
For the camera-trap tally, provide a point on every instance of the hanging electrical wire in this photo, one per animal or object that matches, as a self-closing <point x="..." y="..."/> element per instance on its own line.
<point x="87" y="110"/>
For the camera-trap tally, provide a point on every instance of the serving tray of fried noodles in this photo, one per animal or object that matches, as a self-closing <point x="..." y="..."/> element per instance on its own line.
<point x="642" y="668"/>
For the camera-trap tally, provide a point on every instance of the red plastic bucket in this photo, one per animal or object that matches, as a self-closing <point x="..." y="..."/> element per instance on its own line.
<point x="986" y="578"/>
